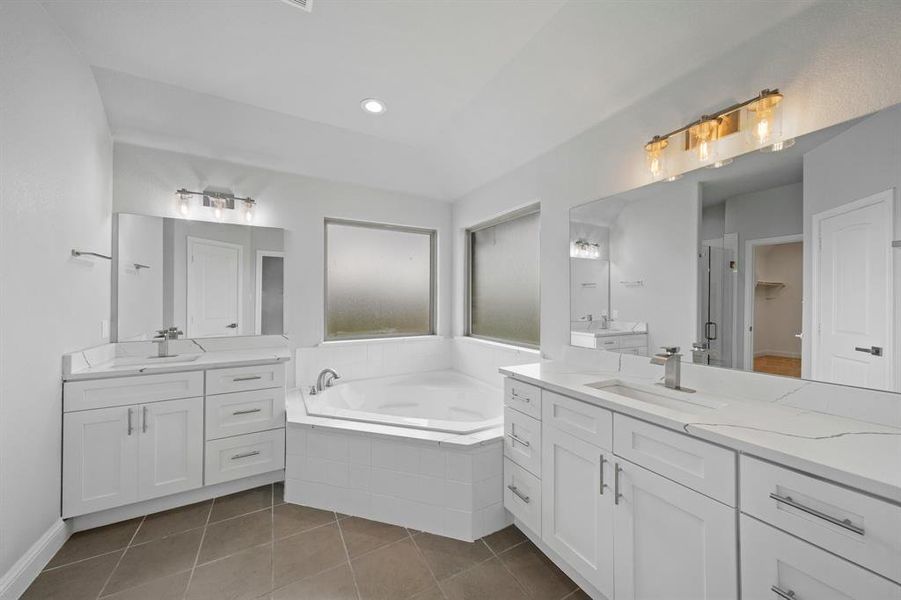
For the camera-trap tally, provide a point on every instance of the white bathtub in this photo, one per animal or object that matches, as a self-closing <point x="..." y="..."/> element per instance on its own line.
<point x="445" y="401"/>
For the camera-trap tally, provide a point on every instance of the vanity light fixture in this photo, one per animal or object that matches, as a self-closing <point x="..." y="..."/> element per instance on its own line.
<point x="759" y="118"/>
<point x="218" y="201"/>
<point x="584" y="249"/>
<point x="373" y="106"/>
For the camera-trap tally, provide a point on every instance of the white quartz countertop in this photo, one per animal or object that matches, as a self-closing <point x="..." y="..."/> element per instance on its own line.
<point x="855" y="453"/>
<point x="189" y="357"/>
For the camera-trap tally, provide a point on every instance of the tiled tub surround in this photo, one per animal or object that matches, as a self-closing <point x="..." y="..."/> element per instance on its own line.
<point x="441" y="483"/>
<point x="796" y="503"/>
<point x="250" y="545"/>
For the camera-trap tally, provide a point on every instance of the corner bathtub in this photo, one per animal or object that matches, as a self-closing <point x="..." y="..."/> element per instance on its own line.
<point x="445" y="401"/>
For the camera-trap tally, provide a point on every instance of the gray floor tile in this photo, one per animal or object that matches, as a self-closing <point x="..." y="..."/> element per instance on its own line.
<point x="505" y="539"/>
<point x="242" y="576"/>
<point x="394" y="572"/>
<point x="172" y="521"/>
<point x="80" y="581"/>
<point x="488" y="580"/>
<point x="234" y="535"/>
<point x="307" y="553"/>
<point x="155" y="559"/>
<point x="363" y="535"/>
<point x="289" y="519"/>
<point x="171" y="587"/>
<point x="537" y="574"/>
<point x="334" y="584"/>
<point x="447" y="556"/>
<point x="95" y="542"/>
<point x="241" y="503"/>
<point x="278" y="493"/>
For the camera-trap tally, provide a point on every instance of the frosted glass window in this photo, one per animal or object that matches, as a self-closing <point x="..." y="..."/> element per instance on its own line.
<point x="380" y="281"/>
<point x="503" y="281"/>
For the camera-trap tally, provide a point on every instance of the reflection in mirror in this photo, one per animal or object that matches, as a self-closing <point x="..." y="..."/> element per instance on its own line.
<point x="783" y="262"/>
<point x="206" y="279"/>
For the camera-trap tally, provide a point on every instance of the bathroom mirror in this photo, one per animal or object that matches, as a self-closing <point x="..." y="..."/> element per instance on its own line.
<point x="787" y="263"/>
<point x="207" y="279"/>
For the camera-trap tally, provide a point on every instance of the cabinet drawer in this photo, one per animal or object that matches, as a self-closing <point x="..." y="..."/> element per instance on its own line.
<point x="121" y="391"/>
<point x="523" y="397"/>
<point x="244" y="455"/>
<point x="522" y="440"/>
<point x="694" y="463"/>
<point x="608" y="342"/>
<point x="522" y="495"/>
<point x="242" y="379"/>
<point x="776" y="565"/>
<point x="587" y="422"/>
<point x="633" y="341"/>
<point x="244" y="412"/>
<point x="858" y="527"/>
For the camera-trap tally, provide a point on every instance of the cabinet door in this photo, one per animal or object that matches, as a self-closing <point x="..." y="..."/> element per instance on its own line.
<point x="672" y="543"/>
<point x="577" y="506"/>
<point x="776" y="565"/>
<point x="100" y="459"/>
<point x="171" y="447"/>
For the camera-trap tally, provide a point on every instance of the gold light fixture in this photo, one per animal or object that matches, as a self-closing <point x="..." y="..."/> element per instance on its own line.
<point x="759" y="118"/>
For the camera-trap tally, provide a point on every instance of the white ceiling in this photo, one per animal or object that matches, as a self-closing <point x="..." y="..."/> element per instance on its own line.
<point x="473" y="88"/>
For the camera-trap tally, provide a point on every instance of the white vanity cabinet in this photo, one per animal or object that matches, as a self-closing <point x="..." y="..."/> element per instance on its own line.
<point x="130" y="439"/>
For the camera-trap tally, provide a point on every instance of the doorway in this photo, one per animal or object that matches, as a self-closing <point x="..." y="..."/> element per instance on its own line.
<point x="774" y="281"/>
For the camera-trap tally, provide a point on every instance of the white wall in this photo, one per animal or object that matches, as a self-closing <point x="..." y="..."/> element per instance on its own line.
<point x="145" y="180"/>
<point x="859" y="162"/>
<point x="55" y="163"/>
<point x="139" y="291"/>
<point x="830" y="61"/>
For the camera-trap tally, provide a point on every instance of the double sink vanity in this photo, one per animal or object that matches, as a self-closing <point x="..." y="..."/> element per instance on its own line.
<point x="639" y="491"/>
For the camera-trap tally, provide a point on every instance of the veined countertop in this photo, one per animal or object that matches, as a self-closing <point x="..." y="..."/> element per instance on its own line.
<point x="854" y="453"/>
<point x="138" y="358"/>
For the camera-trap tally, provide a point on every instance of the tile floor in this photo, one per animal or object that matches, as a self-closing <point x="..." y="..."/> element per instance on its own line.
<point x="778" y="365"/>
<point x="251" y="545"/>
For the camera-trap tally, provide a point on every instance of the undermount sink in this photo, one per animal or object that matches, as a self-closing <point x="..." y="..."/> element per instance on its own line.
<point x="129" y="361"/>
<point x="658" y="395"/>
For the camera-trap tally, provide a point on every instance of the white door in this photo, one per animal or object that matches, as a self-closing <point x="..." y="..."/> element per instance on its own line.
<point x="853" y="293"/>
<point x="671" y="543"/>
<point x="214" y="288"/>
<point x="577" y="506"/>
<point x="776" y="565"/>
<point x="171" y="447"/>
<point x="100" y="459"/>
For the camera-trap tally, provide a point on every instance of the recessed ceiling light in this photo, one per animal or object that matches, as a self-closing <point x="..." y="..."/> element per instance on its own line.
<point x="373" y="106"/>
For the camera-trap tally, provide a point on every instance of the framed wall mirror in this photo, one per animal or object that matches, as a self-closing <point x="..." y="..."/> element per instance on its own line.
<point x="786" y="263"/>
<point x="206" y="279"/>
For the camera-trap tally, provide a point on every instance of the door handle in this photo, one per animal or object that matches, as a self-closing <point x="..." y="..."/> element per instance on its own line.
<point x="130" y="427"/>
<point x="616" y="495"/>
<point x="603" y="485"/>
<point x="144" y="413"/>
<point x="784" y="594"/>
<point x="874" y="350"/>
<point x="232" y="326"/>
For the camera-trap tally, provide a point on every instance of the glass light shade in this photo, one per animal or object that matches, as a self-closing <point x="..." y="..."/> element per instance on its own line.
<point x="183" y="203"/>
<point x="656" y="157"/>
<point x="217" y="209"/>
<point x="249" y="210"/>
<point x="706" y="134"/>
<point x="584" y="249"/>
<point x="763" y="119"/>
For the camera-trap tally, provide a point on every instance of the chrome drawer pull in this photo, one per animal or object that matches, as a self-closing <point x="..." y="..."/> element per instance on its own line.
<point x="786" y="595"/>
<point x="130" y="427"/>
<point x="603" y="485"/>
<point x="843" y="523"/>
<point x="144" y="411"/>
<point x="516" y="396"/>
<point x="616" y="495"/>
<point x="519" y="494"/>
<point x="251" y="378"/>
<point x="245" y="455"/>
<point x="246" y="411"/>
<point x="518" y="440"/>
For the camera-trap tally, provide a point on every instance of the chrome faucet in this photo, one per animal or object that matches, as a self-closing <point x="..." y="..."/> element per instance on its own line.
<point x="162" y="338"/>
<point x="672" y="366"/>
<point x="326" y="378"/>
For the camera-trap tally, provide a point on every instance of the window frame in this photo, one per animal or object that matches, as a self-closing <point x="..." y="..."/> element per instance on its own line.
<point x="433" y="276"/>
<point x="467" y="278"/>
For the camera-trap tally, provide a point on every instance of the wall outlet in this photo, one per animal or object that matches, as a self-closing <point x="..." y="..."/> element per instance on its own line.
<point x="104" y="329"/>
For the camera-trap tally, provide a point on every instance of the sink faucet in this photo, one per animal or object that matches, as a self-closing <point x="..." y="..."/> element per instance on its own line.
<point x="326" y="378"/>
<point x="672" y="366"/>
<point x="162" y="338"/>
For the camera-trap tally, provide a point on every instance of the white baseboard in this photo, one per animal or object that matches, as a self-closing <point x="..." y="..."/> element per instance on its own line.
<point x="15" y="581"/>
<point x="130" y="511"/>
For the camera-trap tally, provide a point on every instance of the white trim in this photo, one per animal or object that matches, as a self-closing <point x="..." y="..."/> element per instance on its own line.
<point x="189" y="276"/>
<point x="750" y="285"/>
<point x="258" y="293"/>
<point x="503" y="345"/>
<point x="21" y="575"/>
<point x="886" y="198"/>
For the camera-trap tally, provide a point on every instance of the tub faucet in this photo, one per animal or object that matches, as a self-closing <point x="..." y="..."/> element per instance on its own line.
<point x="672" y="366"/>
<point x="326" y="378"/>
<point x="162" y="338"/>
